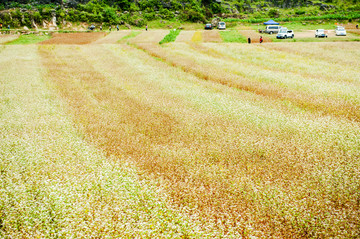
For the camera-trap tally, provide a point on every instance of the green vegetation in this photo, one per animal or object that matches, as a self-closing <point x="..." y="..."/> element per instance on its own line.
<point x="171" y="37"/>
<point x="140" y="13"/>
<point x="29" y="39"/>
<point x="232" y="36"/>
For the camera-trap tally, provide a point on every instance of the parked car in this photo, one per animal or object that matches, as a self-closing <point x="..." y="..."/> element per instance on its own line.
<point x="320" y="33"/>
<point x="285" y="33"/>
<point x="340" y="31"/>
<point x="208" y="26"/>
<point x="272" y="29"/>
<point x="221" y="26"/>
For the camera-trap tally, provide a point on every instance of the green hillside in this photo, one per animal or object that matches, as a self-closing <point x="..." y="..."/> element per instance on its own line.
<point x="38" y="13"/>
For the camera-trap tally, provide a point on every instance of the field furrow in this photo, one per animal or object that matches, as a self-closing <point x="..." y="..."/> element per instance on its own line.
<point x="244" y="163"/>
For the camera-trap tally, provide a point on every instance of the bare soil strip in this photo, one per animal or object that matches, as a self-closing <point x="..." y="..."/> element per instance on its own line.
<point x="74" y="38"/>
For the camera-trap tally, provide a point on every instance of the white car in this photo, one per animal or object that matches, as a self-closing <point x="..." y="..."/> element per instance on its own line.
<point x="285" y="33"/>
<point x="221" y="26"/>
<point x="320" y="33"/>
<point x="340" y="31"/>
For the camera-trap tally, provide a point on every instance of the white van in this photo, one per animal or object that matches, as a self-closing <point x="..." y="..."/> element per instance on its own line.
<point x="272" y="29"/>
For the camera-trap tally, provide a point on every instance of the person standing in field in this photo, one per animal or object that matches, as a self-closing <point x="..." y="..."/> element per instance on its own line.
<point x="249" y="40"/>
<point x="117" y="27"/>
<point x="261" y="39"/>
<point x="1" y="26"/>
<point x="101" y="28"/>
<point x="146" y="27"/>
<point x="110" y="28"/>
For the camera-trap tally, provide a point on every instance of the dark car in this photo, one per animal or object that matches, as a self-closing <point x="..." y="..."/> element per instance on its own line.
<point x="208" y="26"/>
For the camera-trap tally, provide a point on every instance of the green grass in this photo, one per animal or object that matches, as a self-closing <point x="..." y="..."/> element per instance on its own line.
<point x="171" y="37"/>
<point x="29" y="39"/>
<point x="131" y="35"/>
<point x="232" y="36"/>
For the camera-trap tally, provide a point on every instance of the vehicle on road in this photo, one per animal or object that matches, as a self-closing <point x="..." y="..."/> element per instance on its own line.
<point x="340" y="31"/>
<point x="208" y="26"/>
<point x="221" y="26"/>
<point x="272" y="29"/>
<point x="285" y="33"/>
<point x="320" y="33"/>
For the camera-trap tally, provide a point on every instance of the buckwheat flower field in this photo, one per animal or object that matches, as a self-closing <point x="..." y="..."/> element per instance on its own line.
<point x="197" y="139"/>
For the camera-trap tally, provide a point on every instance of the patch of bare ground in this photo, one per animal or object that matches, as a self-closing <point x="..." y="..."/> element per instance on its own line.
<point x="74" y="38"/>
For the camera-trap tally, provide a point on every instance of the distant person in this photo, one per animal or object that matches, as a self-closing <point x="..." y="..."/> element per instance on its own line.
<point x="261" y="39"/>
<point x="100" y="28"/>
<point x="9" y="27"/>
<point x="0" y="25"/>
<point x="146" y="27"/>
<point x="117" y="27"/>
<point x="249" y="40"/>
<point x="110" y="28"/>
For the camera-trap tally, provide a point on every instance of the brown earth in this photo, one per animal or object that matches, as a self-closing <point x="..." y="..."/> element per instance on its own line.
<point x="74" y="38"/>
